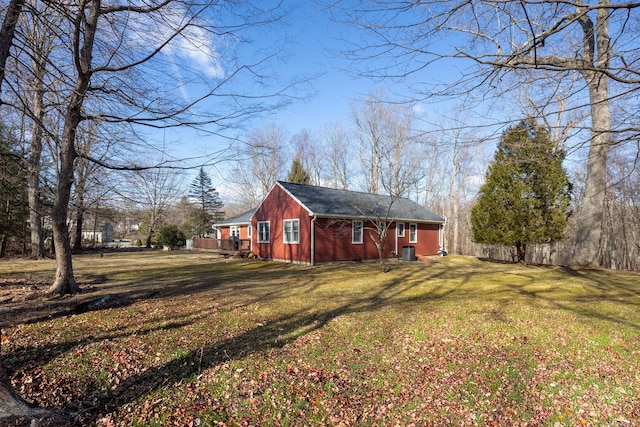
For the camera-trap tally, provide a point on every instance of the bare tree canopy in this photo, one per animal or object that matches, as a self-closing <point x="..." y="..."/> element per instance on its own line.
<point x="127" y="66"/>
<point x="500" y="45"/>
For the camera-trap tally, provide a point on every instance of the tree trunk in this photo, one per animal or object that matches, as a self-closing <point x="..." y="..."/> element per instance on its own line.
<point x="7" y="32"/>
<point x="521" y="252"/>
<point x="12" y="406"/>
<point x="64" y="281"/>
<point x="33" y="166"/>
<point x="77" y="244"/>
<point x="86" y="27"/>
<point x="148" y="241"/>
<point x="589" y="235"/>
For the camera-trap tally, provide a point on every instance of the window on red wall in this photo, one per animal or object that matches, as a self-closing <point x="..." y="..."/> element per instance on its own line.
<point x="413" y="233"/>
<point x="356" y="232"/>
<point x="291" y="231"/>
<point x="264" y="231"/>
<point x="400" y="229"/>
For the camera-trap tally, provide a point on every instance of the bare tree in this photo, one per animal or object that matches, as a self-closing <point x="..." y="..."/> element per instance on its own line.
<point x="30" y="89"/>
<point x="390" y="155"/>
<point x="118" y="63"/>
<point x="368" y="119"/>
<point x="260" y="163"/>
<point x="533" y="39"/>
<point x="157" y="190"/>
<point x="7" y="32"/>
<point x="307" y="149"/>
<point x="338" y="151"/>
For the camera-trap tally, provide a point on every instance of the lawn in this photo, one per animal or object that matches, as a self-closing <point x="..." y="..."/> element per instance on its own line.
<point x="183" y="338"/>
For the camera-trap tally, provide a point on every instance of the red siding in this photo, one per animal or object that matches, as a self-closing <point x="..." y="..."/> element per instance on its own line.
<point x="428" y="242"/>
<point x="225" y="232"/>
<point x="333" y="240"/>
<point x="277" y="207"/>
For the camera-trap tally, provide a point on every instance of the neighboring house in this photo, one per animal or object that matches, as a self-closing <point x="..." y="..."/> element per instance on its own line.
<point x="309" y="224"/>
<point x="102" y="234"/>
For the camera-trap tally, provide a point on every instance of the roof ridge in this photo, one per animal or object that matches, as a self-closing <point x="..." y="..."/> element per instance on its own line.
<point x="344" y="191"/>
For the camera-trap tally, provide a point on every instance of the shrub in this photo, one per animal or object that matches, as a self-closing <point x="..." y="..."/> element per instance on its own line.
<point x="171" y="236"/>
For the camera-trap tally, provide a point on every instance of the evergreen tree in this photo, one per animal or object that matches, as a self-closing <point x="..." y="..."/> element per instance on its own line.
<point x="209" y="206"/>
<point x="526" y="195"/>
<point x="298" y="174"/>
<point x="13" y="192"/>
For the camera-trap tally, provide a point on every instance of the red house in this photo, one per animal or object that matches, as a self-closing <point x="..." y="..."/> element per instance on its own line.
<point x="309" y="224"/>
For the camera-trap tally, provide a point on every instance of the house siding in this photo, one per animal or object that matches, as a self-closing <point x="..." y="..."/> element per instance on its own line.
<point x="225" y="232"/>
<point x="333" y="241"/>
<point x="428" y="242"/>
<point x="332" y="237"/>
<point x="277" y="207"/>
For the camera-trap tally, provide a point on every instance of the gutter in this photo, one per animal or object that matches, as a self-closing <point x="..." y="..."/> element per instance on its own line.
<point x="313" y="239"/>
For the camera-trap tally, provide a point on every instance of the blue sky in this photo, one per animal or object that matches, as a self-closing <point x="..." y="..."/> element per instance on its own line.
<point x="331" y="90"/>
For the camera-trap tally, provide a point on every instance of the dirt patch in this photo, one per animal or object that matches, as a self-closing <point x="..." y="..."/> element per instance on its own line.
<point x="24" y="299"/>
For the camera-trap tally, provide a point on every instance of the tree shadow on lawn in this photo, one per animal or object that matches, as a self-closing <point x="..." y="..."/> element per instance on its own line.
<point x="587" y="293"/>
<point x="270" y="334"/>
<point x="273" y="334"/>
<point x="268" y="284"/>
<point x="99" y="292"/>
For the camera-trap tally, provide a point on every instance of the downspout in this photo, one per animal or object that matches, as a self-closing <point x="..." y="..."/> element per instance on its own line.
<point x="396" y="253"/>
<point x="313" y="239"/>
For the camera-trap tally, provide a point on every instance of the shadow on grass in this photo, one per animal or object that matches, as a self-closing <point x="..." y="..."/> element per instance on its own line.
<point x="270" y="335"/>
<point x="265" y="283"/>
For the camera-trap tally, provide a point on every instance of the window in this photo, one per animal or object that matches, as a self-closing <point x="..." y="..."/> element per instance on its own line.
<point x="291" y="231"/>
<point x="400" y="229"/>
<point x="249" y="232"/>
<point x="356" y="232"/>
<point x="413" y="233"/>
<point x="234" y="231"/>
<point x="264" y="232"/>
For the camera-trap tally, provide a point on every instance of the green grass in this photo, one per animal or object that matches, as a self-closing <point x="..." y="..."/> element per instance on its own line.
<point x="458" y="342"/>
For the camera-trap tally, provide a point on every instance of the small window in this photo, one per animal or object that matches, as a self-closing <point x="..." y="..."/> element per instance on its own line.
<point x="234" y="231"/>
<point x="291" y="231"/>
<point x="356" y="232"/>
<point x="264" y="232"/>
<point x="400" y="229"/>
<point x="413" y="233"/>
<point x="249" y="232"/>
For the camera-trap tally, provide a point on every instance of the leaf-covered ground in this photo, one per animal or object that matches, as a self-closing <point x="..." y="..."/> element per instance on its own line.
<point x="186" y="339"/>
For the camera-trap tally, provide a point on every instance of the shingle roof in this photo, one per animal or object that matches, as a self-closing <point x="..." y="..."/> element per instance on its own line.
<point x="331" y="202"/>
<point x="243" y="218"/>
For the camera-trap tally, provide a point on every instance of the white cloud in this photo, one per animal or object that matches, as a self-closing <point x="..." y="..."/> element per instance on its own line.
<point x="194" y="45"/>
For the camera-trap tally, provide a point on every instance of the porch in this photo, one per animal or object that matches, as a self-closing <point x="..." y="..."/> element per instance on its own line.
<point x="228" y="247"/>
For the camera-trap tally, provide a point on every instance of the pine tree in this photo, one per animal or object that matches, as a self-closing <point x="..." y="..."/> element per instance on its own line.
<point x="298" y="174"/>
<point x="13" y="192"/>
<point x="526" y="194"/>
<point x="209" y="205"/>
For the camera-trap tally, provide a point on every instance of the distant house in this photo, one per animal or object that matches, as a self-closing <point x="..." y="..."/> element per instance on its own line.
<point x="309" y="224"/>
<point x="102" y="234"/>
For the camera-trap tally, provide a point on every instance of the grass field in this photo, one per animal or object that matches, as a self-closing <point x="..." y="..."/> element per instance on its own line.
<point x="183" y="338"/>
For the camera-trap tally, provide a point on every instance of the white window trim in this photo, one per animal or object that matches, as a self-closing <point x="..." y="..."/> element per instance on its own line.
<point x="284" y="234"/>
<point x="403" y="229"/>
<point x="249" y="231"/>
<point x="353" y="228"/>
<point x="234" y="230"/>
<point x="260" y="234"/>
<point x="415" y="236"/>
